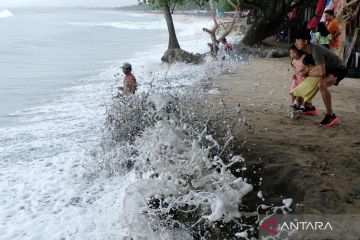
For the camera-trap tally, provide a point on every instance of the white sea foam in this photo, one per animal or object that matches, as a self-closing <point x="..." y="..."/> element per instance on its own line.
<point x="5" y="13"/>
<point x="46" y="192"/>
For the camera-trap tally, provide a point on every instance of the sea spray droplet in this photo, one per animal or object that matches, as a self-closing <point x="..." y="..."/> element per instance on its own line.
<point x="287" y="202"/>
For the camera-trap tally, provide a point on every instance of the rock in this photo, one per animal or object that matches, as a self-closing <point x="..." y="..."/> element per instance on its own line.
<point x="277" y="53"/>
<point x="244" y="50"/>
<point x="179" y="55"/>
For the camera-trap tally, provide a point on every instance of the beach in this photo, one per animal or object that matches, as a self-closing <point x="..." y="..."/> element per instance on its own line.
<point x="316" y="166"/>
<point x="183" y="158"/>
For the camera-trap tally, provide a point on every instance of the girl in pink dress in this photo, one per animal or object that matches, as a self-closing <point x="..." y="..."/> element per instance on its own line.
<point x="298" y="66"/>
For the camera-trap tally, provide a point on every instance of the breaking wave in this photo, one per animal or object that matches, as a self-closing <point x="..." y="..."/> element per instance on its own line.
<point x="184" y="180"/>
<point x="5" y="13"/>
<point x="164" y="168"/>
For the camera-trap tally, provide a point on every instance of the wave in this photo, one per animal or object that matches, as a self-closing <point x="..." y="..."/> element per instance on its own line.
<point x="179" y="179"/>
<point x="5" y="13"/>
<point x="123" y="25"/>
<point x="87" y="194"/>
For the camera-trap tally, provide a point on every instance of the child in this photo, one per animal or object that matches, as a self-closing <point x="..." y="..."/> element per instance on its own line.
<point x="296" y="62"/>
<point x="322" y="35"/>
<point x="308" y="88"/>
<point x="227" y="45"/>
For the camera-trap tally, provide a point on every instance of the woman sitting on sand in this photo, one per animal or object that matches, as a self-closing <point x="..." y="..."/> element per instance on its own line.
<point x="308" y="88"/>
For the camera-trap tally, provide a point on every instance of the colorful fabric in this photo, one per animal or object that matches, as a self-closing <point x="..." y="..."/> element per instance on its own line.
<point x="323" y="40"/>
<point x="320" y="7"/>
<point x="297" y="78"/>
<point x="334" y="27"/>
<point x="331" y="5"/>
<point x="307" y="89"/>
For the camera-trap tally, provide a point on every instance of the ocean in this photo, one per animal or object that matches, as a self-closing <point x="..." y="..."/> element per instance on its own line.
<point x="59" y="72"/>
<point x="46" y="51"/>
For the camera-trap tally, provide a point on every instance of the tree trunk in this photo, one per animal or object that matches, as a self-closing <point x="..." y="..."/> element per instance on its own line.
<point x="173" y="42"/>
<point x="268" y="22"/>
<point x="272" y="18"/>
<point x="263" y="29"/>
<point x="344" y="16"/>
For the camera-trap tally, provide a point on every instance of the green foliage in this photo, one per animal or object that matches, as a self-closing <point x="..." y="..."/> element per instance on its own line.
<point x="138" y="7"/>
<point x="161" y="3"/>
<point x="225" y="6"/>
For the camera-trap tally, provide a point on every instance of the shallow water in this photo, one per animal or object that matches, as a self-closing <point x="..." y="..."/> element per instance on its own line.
<point x="57" y="78"/>
<point x="45" y="51"/>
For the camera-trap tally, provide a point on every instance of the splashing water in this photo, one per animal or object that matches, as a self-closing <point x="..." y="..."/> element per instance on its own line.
<point x="180" y="178"/>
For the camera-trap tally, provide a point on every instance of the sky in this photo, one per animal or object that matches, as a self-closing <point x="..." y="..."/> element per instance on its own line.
<point x="65" y="3"/>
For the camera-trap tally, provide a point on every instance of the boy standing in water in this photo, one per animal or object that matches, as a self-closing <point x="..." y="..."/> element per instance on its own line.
<point x="129" y="82"/>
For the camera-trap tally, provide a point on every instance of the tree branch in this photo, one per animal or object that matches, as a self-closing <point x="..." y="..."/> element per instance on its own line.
<point x="351" y="3"/>
<point x="232" y="4"/>
<point x="212" y="32"/>
<point x="355" y="13"/>
<point x="230" y="28"/>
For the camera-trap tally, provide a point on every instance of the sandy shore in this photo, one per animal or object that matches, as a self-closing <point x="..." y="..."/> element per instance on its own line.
<point x="318" y="167"/>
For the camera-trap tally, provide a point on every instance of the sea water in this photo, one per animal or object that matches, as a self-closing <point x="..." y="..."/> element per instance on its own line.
<point x="57" y="68"/>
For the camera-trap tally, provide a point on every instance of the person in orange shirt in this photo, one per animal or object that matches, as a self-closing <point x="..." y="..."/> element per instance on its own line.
<point x="334" y="28"/>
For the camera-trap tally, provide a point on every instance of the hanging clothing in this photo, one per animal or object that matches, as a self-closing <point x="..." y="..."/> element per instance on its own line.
<point x="320" y="7"/>
<point x="323" y="40"/>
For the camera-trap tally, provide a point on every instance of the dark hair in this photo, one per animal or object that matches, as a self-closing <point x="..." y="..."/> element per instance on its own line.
<point x="294" y="48"/>
<point x="308" y="60"/>
<point x="321" y="28"/>
<point x="299" y="52"/>
<point x="303" y="35"/>
<point x="330" y="12"/>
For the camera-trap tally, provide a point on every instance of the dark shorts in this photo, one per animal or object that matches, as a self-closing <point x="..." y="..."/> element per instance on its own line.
<point x="340" y="74"/>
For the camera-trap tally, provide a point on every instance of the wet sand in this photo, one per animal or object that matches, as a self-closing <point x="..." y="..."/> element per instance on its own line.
<point x="318" y="167"/>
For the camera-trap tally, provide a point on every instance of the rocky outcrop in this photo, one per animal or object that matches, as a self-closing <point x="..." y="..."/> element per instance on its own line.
<point x="277" y="53"/>
<point x="179" y="55"/>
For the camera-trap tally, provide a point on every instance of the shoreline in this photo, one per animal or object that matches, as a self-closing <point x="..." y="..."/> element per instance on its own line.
<point x="316" y="166"/>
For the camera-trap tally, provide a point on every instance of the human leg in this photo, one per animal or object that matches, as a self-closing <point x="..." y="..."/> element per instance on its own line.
<point x="323" y="84"/>
<point x="292" y="97"/>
